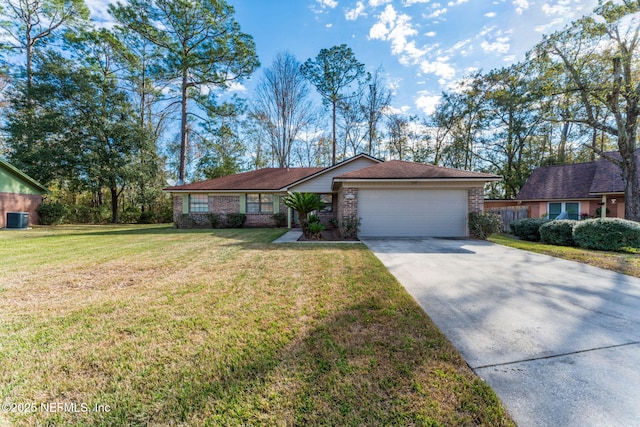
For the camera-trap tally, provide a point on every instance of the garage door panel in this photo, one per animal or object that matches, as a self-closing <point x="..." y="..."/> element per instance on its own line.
<point x="412" y="213"/>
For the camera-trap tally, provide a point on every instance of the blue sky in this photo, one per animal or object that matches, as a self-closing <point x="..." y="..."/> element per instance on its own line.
<point x="423" y="46"/>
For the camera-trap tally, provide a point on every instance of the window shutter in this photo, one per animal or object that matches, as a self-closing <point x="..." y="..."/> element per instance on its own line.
<point x="185" y="203"/>
<point x="276" y="203"/>
<point x="243" y="203"/>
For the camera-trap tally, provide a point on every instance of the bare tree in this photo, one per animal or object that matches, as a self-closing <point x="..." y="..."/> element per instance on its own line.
<point x="282" y="105"/>
<point x="376" y="100"/>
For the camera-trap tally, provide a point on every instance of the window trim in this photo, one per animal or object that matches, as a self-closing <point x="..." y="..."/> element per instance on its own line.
<point x="264" y="206"/>
<point x="330" y="205"/>
<point x="198" y="206"/>
<point x="563" y="208"/>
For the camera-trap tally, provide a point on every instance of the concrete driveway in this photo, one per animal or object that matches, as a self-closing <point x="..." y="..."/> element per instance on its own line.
<point x="558" y="341"/>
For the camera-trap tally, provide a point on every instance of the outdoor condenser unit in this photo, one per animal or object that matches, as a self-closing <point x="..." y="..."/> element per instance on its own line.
<point x="17" y="219"/>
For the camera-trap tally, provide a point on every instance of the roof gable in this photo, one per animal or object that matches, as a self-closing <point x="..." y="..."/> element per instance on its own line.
<point x="321" y="181"/>
<point x="13" y="180"/>
<point x="399" y="170"/>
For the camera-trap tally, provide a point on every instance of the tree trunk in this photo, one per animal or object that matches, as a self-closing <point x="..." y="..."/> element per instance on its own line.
<point x="333" y="139"/>
<point x="115" y="214"/>
<point x="184" y="131"/>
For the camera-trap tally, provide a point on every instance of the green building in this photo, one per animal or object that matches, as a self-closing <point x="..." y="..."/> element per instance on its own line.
<point x="18" y="193"/>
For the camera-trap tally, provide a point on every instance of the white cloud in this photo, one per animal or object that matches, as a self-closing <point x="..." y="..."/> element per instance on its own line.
<point x="437" y="13"/>
<point x="376" y="3"/>
<point x="427" y="102"/>
<point x="521" y="6"/>
<point x="563" y="7"/>
<point x="99" y="10"/>
<point x="331" y="4"/>
<point x="490" y="15"/>
<point x="397" y="28"/>
<point x="500" y="45"/>
<point x="430" y="34"/>
<point x="410" y="2"/>
<point x="440" y="67"/>
<point x="456" y="3"/>
<point x="462" y="48"/>
<point x="495" y="40"/>
<point x="356" y="12"/>
<point x="546" y="27"/>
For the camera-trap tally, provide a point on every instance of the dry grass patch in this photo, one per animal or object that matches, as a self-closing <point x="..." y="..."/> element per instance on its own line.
<point x="621" y="262"/>
<point x="174" y="327"/>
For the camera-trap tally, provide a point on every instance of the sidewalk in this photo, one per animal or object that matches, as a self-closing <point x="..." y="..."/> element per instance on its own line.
<point x="292" y="236"/>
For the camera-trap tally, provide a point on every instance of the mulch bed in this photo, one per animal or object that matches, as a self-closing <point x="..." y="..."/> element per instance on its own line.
<point x="329" y="235"/>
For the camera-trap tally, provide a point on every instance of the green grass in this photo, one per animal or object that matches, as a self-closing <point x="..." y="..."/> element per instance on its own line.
<point x="622" y="262"/>
<point x="207" y="328"/>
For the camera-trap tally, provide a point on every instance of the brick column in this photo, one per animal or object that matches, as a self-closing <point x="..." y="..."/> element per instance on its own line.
<point x="177" y="209"/>
<point x="348" y="202"/>
<point x="476" y="199"/>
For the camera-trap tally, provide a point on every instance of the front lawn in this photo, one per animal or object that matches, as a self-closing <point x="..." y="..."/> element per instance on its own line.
<point x="146" y="325"/>
<point x="622" y="262"/>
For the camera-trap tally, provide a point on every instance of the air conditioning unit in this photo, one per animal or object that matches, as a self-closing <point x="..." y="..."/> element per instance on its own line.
<point x="17" y="219"/>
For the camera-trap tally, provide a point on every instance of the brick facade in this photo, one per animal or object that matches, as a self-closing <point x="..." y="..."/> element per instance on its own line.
<point x="476" y="199"/>
<point x="14" y="202"/>
<point x="348" y="202"/>
<point x="221" y="205"/>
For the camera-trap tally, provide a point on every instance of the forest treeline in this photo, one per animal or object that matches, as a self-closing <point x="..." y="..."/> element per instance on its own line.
<point x="106" y="116"/>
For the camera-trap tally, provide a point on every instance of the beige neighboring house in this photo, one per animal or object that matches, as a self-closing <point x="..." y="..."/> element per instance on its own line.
<point x="18" y="193"/>
<point x="392" y="199"/>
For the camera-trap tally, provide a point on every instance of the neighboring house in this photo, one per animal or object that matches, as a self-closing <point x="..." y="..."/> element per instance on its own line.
<point x="18" y="193"/>
<point x="578" y="189"/>
<point x="394" y="198"/>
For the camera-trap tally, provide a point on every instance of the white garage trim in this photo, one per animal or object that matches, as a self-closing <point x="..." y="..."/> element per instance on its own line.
<point x="404" y="212"/>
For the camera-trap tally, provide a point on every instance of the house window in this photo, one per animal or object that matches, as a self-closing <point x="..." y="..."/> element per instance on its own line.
<point x="198" y="203"/>
<point x="327" y="199"/>
<point x="259" y="203"/>
<point x="571" y="208"/>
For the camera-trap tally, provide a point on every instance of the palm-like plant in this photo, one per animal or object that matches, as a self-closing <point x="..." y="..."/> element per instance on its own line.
<point x="304" y="203"/>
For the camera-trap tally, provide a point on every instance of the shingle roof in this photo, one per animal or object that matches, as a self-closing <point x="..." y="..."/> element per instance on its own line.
<point x="268" y="179"/>
<point x="608" y="178"/>
<point x="576" y="181"/>
<point x="397" y="169"/>
<point x="559" y="182"/>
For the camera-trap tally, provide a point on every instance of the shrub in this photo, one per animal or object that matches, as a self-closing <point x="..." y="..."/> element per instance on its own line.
<point x="315" y="230"/>
<point x="304" y="203"/>
<point x="51" y="213"/>
<point x="184" y="221"/>
<point x="528" y="228"/>
<point x="607" y="234"/>
<point x="313" y="218"/>
<point x="131" y="215"/>
<point x="279" y="219"/>
<point x="147" y="217"/>
<point x="349" y="227"/>
<point x="215" y="220"/>
<point x="558" y="232"/>
<point x="483" y="225"/>
<point x="236" y="220"/>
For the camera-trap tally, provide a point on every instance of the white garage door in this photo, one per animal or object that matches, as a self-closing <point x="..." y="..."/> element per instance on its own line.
<point x="412" y="213"/>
